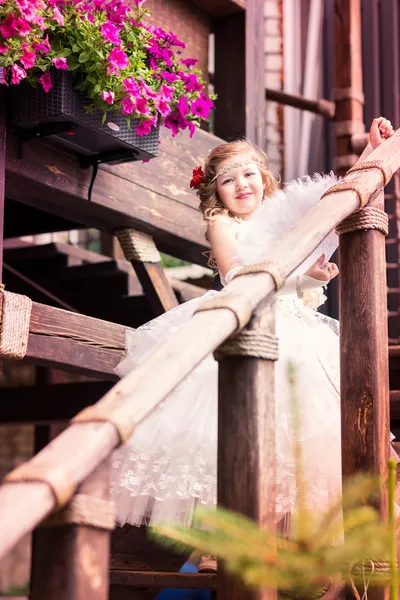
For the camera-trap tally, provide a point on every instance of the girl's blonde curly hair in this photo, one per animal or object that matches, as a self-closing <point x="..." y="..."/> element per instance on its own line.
<point x="210" y="203"/>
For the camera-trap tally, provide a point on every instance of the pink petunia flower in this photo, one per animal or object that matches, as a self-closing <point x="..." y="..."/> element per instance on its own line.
<point x="118" y="59"/>
<point x="45" y="80"/>
<point x="175" y="121"/>
<point x="141" y="106"/>
<point x="3" y="49"/>
<point x="132" y="87"/>
<point x="127" y="106"/>
<point x="28" y="59"/>
<point x="60" y="63"/>
<point x="167" y="92"/>
<point x="147" y="91"/>
<point x="110" y="33"/>
<point x="144" y="128"/>
<point x="108" y="97"/>
<point x="17" y="74"/>
<point x="189" y="62"/>
<point x="57" y="16"/>
<point x="201" y="107"/>
<point x="163" y="107"/>
<point x="183" y="107"/>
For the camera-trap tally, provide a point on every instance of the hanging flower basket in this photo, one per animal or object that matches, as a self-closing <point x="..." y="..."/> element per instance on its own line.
<point x="62" y="113"/>
<point x="103" y="79"/>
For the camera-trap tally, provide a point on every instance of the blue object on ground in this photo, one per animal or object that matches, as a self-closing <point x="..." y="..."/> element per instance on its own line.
<point x="185" y="594"/>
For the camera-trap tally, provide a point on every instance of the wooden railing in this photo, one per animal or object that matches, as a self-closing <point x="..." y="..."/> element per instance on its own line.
<point x="77" y="460"/>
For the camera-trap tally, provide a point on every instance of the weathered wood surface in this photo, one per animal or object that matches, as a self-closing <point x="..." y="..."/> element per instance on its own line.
<point x="153" y="197"/>
<point x="255" y="73"/>
<point x="156" y="286"/>
<point x="24" y="505"/>
<point x="363" y="301"/>
<point x="246" y="445"/>
<point x="72" y="561"/>
<point x="74" y="342"/>
<point x="348" y="84"/>
<point x="145" y="579"/>
<point x="3" y="131"/>
<point x="133" y="549"/>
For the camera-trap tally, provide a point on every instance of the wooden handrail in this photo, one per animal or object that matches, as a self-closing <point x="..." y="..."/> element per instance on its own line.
<point x="24" y="505"/>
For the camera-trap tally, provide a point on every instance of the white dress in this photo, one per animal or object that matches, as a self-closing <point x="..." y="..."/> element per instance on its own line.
<point x="169" y="465"/>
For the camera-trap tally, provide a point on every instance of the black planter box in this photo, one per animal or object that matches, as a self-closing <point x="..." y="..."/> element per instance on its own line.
<point x="61" y="113"/>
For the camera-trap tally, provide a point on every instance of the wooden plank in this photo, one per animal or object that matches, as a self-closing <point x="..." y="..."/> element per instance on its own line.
<point x="133" y="549"/>
<point x="70" y="560"/>
<point x="74" y="342"/>
<point x="255" y="73"/>
<point x="150" y="197"/>
<point x="49" y="403"/>
<point x="246" y="446"/>
<point x="230" y="84"/>
<point x="156" y="286"/>
<point x="221" y="8"/>
<point x="349" y="83"/>
<point x="370" y="58"/>
<point x="182" y="581"/>
<point x="3" y="133"/>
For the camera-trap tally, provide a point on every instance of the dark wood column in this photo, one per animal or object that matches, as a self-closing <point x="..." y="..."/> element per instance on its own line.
<point x="239" y="74"/>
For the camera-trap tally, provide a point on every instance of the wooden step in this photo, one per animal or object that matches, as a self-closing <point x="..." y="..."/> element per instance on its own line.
<point x="161" y="579"/>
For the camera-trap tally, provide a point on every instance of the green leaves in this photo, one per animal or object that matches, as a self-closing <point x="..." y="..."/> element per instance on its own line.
<point x="262" y="559"/>
<point x="84" y="57"/>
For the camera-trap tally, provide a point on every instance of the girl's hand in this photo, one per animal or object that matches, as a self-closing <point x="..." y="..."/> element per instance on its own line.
<point x="324" y="271"/>
<point x="380" y="130"/>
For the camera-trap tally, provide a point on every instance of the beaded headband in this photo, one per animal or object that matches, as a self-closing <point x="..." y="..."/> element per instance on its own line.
<point x="198" y="178"/>
<point x="233" y="165"/>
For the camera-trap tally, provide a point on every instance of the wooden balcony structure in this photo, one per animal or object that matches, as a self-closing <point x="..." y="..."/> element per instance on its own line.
<point x="83" y="304"/>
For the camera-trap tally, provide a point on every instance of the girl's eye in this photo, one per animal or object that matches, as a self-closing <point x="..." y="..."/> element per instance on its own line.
<point x="250" y="173"/>
<point x="227" y="181"/>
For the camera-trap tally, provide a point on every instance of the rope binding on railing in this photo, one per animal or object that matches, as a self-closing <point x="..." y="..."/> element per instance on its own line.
<point x="365" y="218"/>
<point x="16" y="315"/>
<point x="87" y="510"/>
<point x="358" y="185"/>
<point x="255" y="343"/>
<point x="137" y="245"/>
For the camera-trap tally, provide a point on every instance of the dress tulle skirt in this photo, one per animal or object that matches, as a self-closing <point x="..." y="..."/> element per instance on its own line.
<point x="169" y="465"/>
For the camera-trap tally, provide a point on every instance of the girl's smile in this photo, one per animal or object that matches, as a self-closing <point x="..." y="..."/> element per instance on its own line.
<point x="240" y="188"/>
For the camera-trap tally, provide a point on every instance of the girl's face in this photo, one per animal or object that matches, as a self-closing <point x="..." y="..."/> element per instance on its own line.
<point x="241" y="188"/>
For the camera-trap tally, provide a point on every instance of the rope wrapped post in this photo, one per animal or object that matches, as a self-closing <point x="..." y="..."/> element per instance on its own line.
<point x="363" y="316"/>
<point x="140" y="250"/>
<point x="71" y="548"/>
<point x="246" y="432"/>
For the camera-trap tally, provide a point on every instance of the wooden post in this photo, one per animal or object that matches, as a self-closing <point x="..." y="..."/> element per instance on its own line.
<point x="364" y="339"/>
<point x="239" y="41"/>
<point x="363" y="314"/>
<point x="246" y="445"/>
<point x="70" y="560"/>
<point x="3" y="130"/>
<point x="362" y="288"/>
<point x="349" y="85"/>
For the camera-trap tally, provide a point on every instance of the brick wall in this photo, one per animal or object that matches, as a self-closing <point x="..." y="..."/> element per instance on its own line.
<point x="274" y="80"/>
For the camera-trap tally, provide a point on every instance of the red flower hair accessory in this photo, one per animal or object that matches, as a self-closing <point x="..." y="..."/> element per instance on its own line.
<point x="197" y="178"/>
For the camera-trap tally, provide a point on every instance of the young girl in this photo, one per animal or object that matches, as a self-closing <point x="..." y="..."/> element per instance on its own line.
<point x="169" y="464"/>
